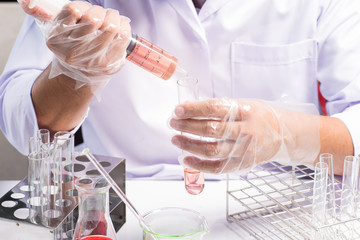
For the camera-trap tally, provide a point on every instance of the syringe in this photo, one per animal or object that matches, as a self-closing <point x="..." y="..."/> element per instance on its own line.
<point x="139" y="51"/>
<point x="152" y="58"/>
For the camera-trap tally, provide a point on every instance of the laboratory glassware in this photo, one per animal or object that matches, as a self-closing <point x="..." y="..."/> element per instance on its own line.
<point x="115" y="187"/>
<point x="349" y="188"/>
<point x="44" y="138"/>
<point x="94" y="220"/>
<point x="58" y="177"/>
<point x="36" y="196"/>
<point x="174" y="223"/>
<point x="319" y="193"/>
<point x="319" y="203"/>
<point x="38" y="154"/>
<point x="139" y="51"/>
<point x="188" y="91"/>
<point x="64" y="144"/>
<point x="14" y="205"/>
<point x="330" y="207"/>
<point x="64" y="173"/>
<point x="52" y="187"/>
<point x="34" y="143"/>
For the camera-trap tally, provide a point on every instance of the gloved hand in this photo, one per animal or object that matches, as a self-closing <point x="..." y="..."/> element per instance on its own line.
<point x="245" y="133"/>
<point x="89" y="42"/>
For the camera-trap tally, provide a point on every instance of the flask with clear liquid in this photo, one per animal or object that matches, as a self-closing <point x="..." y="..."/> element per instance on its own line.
<point x="94" y="222"/>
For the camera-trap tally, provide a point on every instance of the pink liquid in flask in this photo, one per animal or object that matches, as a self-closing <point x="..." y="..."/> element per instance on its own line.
<point x="95" y="238"/>
<point x="194" y="181"/>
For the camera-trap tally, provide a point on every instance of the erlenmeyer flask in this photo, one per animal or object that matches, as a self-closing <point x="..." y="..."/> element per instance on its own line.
<point x="94" y="222"/>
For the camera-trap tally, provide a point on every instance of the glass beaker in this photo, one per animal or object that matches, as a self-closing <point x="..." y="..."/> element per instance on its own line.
<point x="94" y="222"/>
<point x="174" y="223"/>
<point x="188" y="91"/>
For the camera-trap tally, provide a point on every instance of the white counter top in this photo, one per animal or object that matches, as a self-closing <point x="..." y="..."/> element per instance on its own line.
<point x="149" y="195"/>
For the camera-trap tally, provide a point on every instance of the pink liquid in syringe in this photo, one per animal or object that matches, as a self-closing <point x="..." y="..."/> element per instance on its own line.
<point x="151" y="57"/>
<point x="194" y="181"/>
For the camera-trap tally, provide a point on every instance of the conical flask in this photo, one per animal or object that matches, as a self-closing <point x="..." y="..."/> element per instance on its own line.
<point x="94" y="222"/>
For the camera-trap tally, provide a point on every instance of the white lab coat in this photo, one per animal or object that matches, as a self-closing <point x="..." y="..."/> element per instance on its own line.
<point x="267" y="49"/>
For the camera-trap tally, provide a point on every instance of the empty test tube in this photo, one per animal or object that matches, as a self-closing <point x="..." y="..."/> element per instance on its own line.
<point x="64" y="171"/>
<point x="330" y="195"/>
<point x="38" y="153"/>
<point x="349" y="188"/>
<point x="36" y="196"/>
<point x="319" y="194"/>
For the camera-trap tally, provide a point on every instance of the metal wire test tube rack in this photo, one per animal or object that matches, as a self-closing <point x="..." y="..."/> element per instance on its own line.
<point x="275" y="202"/>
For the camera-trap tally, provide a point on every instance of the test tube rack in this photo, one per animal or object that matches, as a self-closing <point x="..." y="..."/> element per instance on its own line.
<point x="15" y="209"/>
<point x="275" y="202"/>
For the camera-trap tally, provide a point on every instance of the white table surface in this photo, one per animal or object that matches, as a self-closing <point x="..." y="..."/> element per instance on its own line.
<point x="149" y="195"/>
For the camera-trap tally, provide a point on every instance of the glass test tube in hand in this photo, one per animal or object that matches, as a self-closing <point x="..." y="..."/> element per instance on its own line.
<point x="188" y="91"/>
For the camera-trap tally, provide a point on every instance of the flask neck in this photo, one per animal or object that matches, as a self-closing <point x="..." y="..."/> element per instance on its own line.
<point x="94" y="215"/>
<point x="93" y="202"/>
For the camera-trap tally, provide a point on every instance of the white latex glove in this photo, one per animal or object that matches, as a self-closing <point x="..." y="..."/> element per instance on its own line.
<point x="89" y="42"/>
<point x="245" y="133"/>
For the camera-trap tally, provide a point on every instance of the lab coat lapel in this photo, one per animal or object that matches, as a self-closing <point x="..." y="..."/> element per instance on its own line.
<point x="210" y="7"/>
<point x="186" y="10"/>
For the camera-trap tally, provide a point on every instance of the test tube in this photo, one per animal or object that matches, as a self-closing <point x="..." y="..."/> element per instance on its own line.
<point x="36" y="197"/>
<point x="34" y="144"/>
<point x="57" y="181"/>
<point x="349" y="188"/>
<point x="319" y="194"/>
<point x="188" y="91"/>
<point x="44" y="137"/>
<point x="38" y="151"/>
<point x="64" y="173"/>
<point x="52" y="188"/>
<point x="64" y="144"/>
<point x="330" y="203"/>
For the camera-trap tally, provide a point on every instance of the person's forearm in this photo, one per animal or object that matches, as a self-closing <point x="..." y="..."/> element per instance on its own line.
<point x="307" y="135"/>
<point x="58" y="105"/>
<point x="335" y="139"/>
